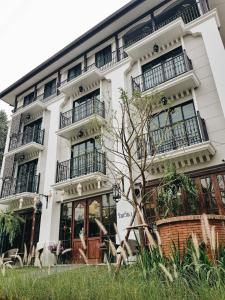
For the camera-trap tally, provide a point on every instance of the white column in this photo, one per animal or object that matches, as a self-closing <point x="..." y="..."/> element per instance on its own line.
<point x="216" y="54"/>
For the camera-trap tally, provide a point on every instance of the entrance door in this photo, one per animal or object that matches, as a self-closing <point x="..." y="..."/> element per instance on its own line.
<point x="84" y="214"/>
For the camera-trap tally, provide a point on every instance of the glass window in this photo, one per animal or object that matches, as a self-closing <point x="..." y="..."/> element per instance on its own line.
<point x="109" y="214"/>
<point x="93" y="213"/>
<point x="65" y="225"/>
<point x="74" y="72"/>
<point x="188" y="110"/>
<point x="103" y="57"/>
<point x="176" y="114"/>
<point x="50" y="88"/>
<point x="28" y="99"/>
<point x="79" y="220"/>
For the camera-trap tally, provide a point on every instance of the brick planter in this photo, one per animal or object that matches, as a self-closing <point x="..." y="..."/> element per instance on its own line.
<point x="172" y="229"/>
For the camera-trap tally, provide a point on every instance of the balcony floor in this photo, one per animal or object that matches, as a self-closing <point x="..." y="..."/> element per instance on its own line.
<point x="181" y="83"/>
<point x="13" y="200"/>
<point x="26" y="149"/>
<point x="33" y="108"/>
<point x="73" y="129"/>
<point x="182" y="157"/>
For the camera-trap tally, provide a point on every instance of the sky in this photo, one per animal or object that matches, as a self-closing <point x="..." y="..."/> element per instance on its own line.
<point x="33" y="30"/>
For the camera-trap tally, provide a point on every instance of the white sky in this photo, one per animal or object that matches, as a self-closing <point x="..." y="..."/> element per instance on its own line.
<point x="33" y="30"/>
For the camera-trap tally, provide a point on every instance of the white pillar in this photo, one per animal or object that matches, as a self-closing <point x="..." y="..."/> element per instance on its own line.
<point x="215" y="52"/>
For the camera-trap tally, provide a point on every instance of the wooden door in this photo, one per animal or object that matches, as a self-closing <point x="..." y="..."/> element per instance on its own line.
<point x="84" y="224"/>
<point x="93" y="232"/>
<point x="79" y="227"/>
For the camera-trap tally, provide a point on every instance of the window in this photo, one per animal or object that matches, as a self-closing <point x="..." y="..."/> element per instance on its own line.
<point x="86" y="106"/>
<point x="103" y="57"/>
<point x="26" y="177"/>
<point x="163" y="68"/>
<point x="85" y="158"/>
<point x="175" y="128"/>
<point x="74" y="72"/>
<point x="109" y="214"/>
<point x="28" y="99"/>
<point x="65" y="225"/>
<point x="50" y="88"/>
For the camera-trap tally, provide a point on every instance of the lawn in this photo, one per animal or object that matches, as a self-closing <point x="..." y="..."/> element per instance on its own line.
<point x="98" y="283"/>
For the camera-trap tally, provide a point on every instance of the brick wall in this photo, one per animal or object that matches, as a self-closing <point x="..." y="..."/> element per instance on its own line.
<point x="180" y="228"/>
<point x="9" y="161"/>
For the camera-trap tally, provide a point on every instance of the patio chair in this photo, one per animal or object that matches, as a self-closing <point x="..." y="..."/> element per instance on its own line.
<point x="11" y="255"/>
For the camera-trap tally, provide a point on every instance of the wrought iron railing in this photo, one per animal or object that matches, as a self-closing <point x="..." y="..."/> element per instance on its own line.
<point x="89" y="162"/>
<point x="163" y="72"/>
<point x="12" y="186"/>
<point x="171" y="137"/>
<point x="187" y="14"/>
<point x="28" y="136"/>
<point x="86" y="109"/>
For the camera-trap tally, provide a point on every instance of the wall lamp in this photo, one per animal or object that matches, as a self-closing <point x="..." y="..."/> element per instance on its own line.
<point x="116" y="192"/>
<point x="46" y="198"/>
<point x="81" y="89"/>
<point x="164" y="100"/>
<point x="156" y="48"/>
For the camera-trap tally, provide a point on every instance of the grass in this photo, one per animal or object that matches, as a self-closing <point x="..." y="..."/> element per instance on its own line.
<point x="97" y="283"/>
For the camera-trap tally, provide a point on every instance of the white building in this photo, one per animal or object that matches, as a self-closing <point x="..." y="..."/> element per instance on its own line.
<point x="51" y="154"/>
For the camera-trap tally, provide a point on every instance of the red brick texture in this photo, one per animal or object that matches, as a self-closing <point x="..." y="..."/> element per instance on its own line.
<point x="180" y="228"/>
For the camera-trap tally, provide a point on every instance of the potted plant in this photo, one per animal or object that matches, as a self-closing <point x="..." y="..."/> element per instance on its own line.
<point x="179" y="213"/>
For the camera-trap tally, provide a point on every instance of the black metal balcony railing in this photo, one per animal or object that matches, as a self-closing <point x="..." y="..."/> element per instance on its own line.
<point x="84" y="164"/>
<point x="86" y="109"/>
<point x="12" y="186"/>
<point x="28" y="136"/>
<point x="163" y="72"/>
<point x="171" y="137"/>
<point x="115" y="57"/>
<point x="187" y="14"/>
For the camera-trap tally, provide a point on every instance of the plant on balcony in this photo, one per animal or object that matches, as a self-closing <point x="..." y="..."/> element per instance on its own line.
<point x="9" y="225"/>
<point x="174" y="186"/>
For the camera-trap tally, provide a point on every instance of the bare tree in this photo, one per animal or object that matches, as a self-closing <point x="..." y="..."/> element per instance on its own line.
<point x="130" y="148"/>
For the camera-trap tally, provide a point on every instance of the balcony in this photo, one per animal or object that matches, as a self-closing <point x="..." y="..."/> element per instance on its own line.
<point x="170" y="77"/>
<point x="36" y="105"/>
<point x="160" y="31"/>
<point x="24" y="188"/>
<point x="92" y="73"/>
<point x="89" y="114"/>
<point x="186" y="143"/>
<point x="26" y="142"/>
<point x="86" y="169"/>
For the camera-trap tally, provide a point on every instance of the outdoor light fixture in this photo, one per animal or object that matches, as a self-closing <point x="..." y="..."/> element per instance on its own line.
<point x="164" y="100"/>
<point x="37" y="206"/>
<point x="28" y="117"/>
<point x="46" y="197"/>
<point x="81" y="89"/>
<point x="116" y="192"/>
<point x="80" y="134"/>
<point x="156" y="48"/>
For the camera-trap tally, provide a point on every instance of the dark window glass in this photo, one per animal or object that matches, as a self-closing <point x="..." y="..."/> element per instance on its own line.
<point x="103" y="57"/>
<point x="65" y="225"/>
<point x="174" y="128"/>
<point x="50" y="88"/>
<point x="26" y="177"/>
<point x="74" y="72"/>
<point x="28" y="99"/>
<point x="79" y="220"/>
<point x="109" y="214"/>
<point x="93" y="213"/>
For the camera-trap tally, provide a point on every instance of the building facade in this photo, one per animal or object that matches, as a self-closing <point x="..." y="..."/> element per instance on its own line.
<point x="52" y="153"/>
